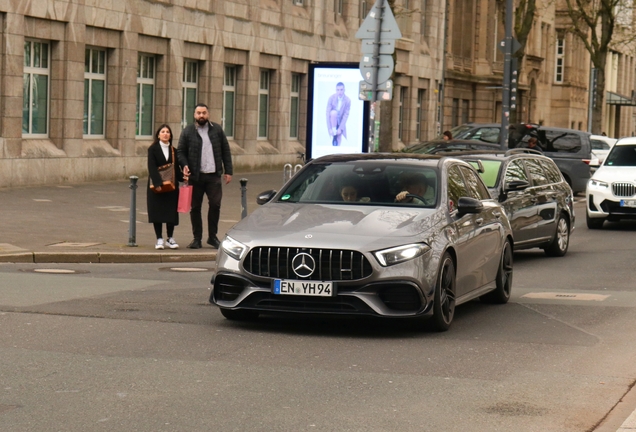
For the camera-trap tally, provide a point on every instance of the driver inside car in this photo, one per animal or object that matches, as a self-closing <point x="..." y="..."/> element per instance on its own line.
<point x="414" y="188"/>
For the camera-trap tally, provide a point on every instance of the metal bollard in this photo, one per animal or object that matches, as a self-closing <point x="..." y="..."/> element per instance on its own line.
<point x="132" y="228"/>
<point x="243" y="182"/>
<point x="297" y="168"/>
<point x="287" y="172"/>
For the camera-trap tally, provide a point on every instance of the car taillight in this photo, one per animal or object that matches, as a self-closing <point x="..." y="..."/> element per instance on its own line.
<point x="587" y="161"/>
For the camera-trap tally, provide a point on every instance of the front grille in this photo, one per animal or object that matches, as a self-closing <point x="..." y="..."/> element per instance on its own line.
<point x="331" y="264"/>
<point x="623" y="189"/>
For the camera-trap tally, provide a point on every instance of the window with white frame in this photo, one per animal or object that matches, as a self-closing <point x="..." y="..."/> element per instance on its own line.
<point x="294" y="111"/>
<point x="559" y="64"/>
<point x="145" y="95"/>
<point x="419" y="118"/>
<point x="263" y="104"/>
<point x="189" y="90"/>
<point x="35" y="88"/>
<point x="402" y="114"/>
<point x="94" y="92"/>
<point x="298" y="2"/>
<point x="338" y="6"/>
<point x="229" y="97"/>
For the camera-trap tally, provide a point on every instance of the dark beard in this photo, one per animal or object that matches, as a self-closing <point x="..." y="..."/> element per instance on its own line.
<point x="201" y="121"/>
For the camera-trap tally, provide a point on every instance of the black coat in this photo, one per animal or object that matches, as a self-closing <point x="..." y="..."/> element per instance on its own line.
<point x="162" y="207"/>
<point x="190" y="148"/>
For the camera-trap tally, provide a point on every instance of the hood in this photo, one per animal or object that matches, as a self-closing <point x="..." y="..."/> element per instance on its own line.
<point x="360" y="224"/>
<point x="613" y="174"/>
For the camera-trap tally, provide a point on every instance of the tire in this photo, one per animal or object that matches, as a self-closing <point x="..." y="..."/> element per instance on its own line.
<point x="444" y="299"/>
<point x="594" y="223"/>
<point x="501" y="294"/>
<point x="239" y="314"/>
<point x="561" y="241"/>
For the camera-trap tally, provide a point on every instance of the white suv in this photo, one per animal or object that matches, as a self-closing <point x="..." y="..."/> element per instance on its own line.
<point x="611" y="192"/>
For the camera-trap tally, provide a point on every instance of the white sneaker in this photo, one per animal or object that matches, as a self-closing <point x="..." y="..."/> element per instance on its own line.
<point x="172" y="244"/>
<point x="159" y="244"/>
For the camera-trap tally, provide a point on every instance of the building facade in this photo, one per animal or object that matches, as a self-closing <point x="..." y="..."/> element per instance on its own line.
<point x="86" y="84"/>
<point x="553" y="76"/>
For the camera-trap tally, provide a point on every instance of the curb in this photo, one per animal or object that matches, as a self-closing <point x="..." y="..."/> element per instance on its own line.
<point x="622" y="418"/>
<point x="104" y="257"/>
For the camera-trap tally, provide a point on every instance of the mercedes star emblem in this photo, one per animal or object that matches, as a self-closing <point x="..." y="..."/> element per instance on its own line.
<point x="303" y="265"/>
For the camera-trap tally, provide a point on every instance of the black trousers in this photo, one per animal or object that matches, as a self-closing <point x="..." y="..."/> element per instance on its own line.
<point x="210" y="185"/>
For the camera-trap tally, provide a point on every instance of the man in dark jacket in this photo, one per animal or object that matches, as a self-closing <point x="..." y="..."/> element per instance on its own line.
<point x="204" y="154"/>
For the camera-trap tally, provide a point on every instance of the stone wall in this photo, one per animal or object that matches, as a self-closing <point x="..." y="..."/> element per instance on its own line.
<point x="251" y="35"/>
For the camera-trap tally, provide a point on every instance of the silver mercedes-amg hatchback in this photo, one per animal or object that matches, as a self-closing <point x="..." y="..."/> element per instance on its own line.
<point x="390" y="235"/>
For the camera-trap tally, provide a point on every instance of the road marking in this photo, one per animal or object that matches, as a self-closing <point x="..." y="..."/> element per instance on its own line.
<point x="188" y="269"/>
<point x="72" y="244"/>
<point x="41" y="200"/>
<point x="55" y="271"/>
<point x="6" y="247"/>
<point x="565" y="296"/>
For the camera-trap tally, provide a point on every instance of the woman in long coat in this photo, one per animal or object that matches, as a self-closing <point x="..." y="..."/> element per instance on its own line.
<point x="162" y="206"/>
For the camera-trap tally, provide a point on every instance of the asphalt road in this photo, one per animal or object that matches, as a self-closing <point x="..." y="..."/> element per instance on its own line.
<point x="138" y="347"/>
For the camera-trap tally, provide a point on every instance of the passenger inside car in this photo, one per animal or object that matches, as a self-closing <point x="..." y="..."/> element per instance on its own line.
<point x="349" y="193"/>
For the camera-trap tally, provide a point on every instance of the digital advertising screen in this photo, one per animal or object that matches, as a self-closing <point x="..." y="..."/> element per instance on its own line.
<point x="337" y="120"/>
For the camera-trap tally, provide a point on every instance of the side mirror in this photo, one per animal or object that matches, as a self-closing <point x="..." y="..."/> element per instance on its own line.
<point x="265" y="197"/>
<point x="517" y="185"/>
<point x="469" y="205"/>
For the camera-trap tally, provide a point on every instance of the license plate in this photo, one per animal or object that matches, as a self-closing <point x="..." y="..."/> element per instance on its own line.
<point x="628" y="203"/>
<point x="305" y="288"/>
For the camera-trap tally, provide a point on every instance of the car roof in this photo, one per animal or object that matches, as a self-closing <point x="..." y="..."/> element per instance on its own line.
<point x="443" y="142"/>
<point x="497" y="155"/>
<point x="607" y="139"/>
<point x="427" y="159"/>
<point x="626" y="141"/>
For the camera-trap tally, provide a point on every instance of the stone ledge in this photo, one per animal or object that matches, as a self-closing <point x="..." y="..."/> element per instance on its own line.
<point x="65" y="257"/>
<point x="18" y="257"/>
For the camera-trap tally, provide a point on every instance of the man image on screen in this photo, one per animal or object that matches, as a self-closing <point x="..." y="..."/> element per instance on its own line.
<point x="338" y="107"/>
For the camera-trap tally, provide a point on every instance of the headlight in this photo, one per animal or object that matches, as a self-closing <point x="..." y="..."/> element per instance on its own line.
<point x="233" y="248"/>
<point x="597" y="184"/>
<point x="396" y="255"/>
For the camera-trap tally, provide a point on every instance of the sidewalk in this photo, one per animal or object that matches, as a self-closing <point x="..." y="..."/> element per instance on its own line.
<point x="89" y="222"/>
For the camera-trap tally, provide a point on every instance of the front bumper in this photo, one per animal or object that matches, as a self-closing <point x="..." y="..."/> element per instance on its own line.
<point x="604" y="204"/>
<point x="387" y="298"/>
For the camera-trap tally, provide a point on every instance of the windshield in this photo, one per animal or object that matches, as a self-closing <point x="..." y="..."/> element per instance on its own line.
<point x="622" y="155"/>
<point x="362" y="183"/>
<point x="491" y="171"/>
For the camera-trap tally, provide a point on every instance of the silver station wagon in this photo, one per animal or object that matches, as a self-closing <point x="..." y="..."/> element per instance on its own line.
<point x="388" y="235"/>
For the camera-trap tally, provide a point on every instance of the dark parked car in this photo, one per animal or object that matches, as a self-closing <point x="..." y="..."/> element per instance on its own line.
<point x="454" y="145"/>
<point x="538" y="201"/>
<point x="387" y="235"/>
<point x="570" y="149"/>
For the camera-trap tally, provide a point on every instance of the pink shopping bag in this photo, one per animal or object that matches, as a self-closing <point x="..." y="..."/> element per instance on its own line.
<point x="185" y="199"/>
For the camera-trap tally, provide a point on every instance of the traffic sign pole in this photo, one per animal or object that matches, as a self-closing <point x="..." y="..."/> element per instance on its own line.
<point x="378" y="32"/>
<point x="505" y="97"/>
